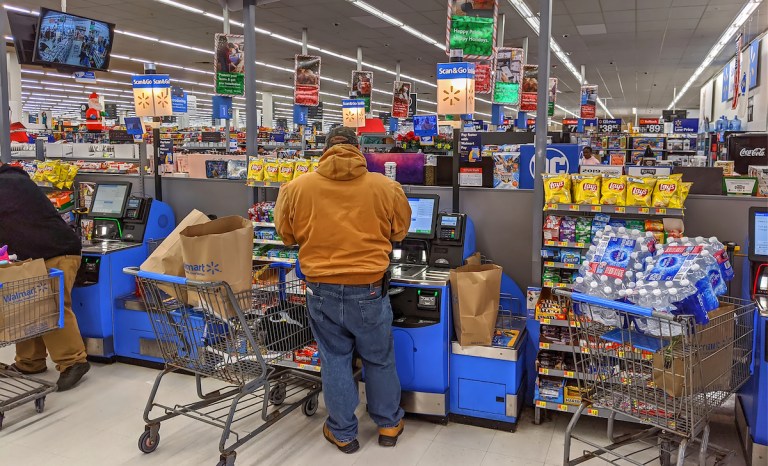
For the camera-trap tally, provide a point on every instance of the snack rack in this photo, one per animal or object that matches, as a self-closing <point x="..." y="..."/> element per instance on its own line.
<point x="542" y="326"/>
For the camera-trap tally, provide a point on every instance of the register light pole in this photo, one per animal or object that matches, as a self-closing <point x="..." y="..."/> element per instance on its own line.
<point x="545" y="31"/>
<point x="252" y="125"/>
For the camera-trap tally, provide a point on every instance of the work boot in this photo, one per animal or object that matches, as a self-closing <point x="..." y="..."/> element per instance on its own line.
<point x="14" y="367"/>
<point x="345" y="447"/>
<point x="388" y="435"/>
<point x="72" y="375"/>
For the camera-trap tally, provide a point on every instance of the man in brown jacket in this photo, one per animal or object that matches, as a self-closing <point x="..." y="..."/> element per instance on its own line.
<point x="344" y="219"/>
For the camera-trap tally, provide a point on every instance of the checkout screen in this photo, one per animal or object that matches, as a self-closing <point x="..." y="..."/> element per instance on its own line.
<point x="761" y="233"/>
<point x="109" y="199"/>
<point x="422" y="213"/>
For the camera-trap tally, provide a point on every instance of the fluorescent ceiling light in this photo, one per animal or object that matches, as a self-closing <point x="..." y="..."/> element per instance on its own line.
<point x="725" y="38"/>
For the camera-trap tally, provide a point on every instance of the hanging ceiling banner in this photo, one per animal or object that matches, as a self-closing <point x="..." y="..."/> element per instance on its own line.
<point x="529" y="98"/>
<point x="552" y="96"/>
<point x="362" y="86"/>
<point x="401" y="99"/>
<point x="588" y="101"/>
<point x="508" y="75"/>
<point x="471" y="28"/>
<point x="455" y="88"/>
<point x="306" y="81"/>
<point x="152" y="95"/>
<point x="353" y="112"/>
<point x="737" y="72"/>
<point x="483" y="76"/>
<point x="229" y="64"/>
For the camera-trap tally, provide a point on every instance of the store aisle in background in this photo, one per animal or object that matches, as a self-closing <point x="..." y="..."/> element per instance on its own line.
<point x="99" y="422"/>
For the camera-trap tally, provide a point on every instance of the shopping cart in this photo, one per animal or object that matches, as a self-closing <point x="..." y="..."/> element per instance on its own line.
<point x="28" y="308"/>
<point x="671" y="376"/>
<point x="239" y="342"/>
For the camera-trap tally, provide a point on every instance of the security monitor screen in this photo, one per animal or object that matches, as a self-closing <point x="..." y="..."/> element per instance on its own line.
<point x="73" y="41"/>
<point x="109" y="200"/>
<point x="423" y="212"/>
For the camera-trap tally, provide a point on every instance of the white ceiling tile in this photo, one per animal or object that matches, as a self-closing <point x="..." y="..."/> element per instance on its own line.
<point x="619" y="16"/>
<point x="686" y="12"/>
<point x="618" y="5"/>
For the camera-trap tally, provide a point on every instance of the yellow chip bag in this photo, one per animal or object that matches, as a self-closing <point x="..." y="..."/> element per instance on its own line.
<point x="286" y="171"/>
<point x="640" y="191"/>
<point x="302" y="167"/>
<point x="315" y="163"/>
<point x="667" y="188"/>
<point x="678" y="201"/>
<point x="256" y="169"/>
<point x="271" y="169"/>
<point x="586" y="189"/>
<point x="613" y="190"/>
<point x="557" y="188"/>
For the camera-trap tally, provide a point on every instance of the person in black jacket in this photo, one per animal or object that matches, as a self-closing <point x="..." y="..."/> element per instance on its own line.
<point x="33" y="229"/>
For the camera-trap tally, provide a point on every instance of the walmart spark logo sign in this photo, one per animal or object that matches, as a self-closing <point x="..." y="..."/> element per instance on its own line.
<point x="353" y="112"/>
<point x="208" y="268"/>
<point x="455" y="88"/>
<point x="152" y="95"/>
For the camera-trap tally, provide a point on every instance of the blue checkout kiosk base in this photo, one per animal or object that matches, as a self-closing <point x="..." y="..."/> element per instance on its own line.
<point x="752" y="402"/>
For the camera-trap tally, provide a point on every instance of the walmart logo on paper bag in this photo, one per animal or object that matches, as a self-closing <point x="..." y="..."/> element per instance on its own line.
<point x="210" y="268"/>
<point x="26" y="295"/>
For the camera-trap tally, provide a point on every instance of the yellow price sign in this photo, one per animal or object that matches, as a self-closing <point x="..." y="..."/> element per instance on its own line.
<point x="570" y="266"/>
<point x="549" y="264"/>
<point x="562" y="408"/>
<point x="573" y="207"/>
<point x="585" y="351"/>
<point x="620" y="210"/>
<point x="661" y="211"/>
<point x="569" y="374"/>
<point x="543" y="345"/>
<point x="580" y="245"/>
<point x="545" y="321"/>
<point x="596" y="208"/>
<point x="563" y="244"/>
<point x="543" y="371"/>
<point x="541" y="404"/>
<point x="593" y="412"/>
<point x="643" y="210"/>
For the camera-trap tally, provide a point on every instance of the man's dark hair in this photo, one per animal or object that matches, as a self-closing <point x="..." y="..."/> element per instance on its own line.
<point x="341" y="135"/>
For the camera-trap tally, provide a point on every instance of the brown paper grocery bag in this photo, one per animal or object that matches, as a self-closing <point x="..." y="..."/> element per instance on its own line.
<point x="219" y="251"/>
<point x="475" y="299"/>
<point x="28" y="304"/>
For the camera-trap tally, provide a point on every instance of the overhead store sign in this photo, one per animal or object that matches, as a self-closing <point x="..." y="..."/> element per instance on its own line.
<point x="609" y="125"/>
<point x="306" y="81"/>
<point x="728" y="77"/>
<point x="178" y="100"/>
<point x="570" y="125"/>
<point x="152" y="95"/>
<point x="588" y="101"/>
<point x="650" y="125"/>
<point x="455" y="88"/>
<point x="362" y="87"/>
<point x="315" y="113"/>
<point x="529" y="98"/>
<point x="552" y="93"/>
<point x="353" y="112"/>
<point x="483" y="77"/>
<point x="754" y="59"/>
<point x="401" y="100"/>
<point x="685" y="125"/>
<point x="471" y="28"/>
<point x="84" y="77"/>
<point x="229" y="64"/>
<point x="508" y="75"/>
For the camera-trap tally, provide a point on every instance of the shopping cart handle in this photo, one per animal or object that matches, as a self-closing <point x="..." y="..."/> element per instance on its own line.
<point x="156" y="276"/>
<point x="614" y="305"/>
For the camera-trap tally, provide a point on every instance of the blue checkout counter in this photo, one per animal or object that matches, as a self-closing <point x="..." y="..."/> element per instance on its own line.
<point x="438" y="377"/>
<point x="752" y="401"/>
<point x="123" y="227"/>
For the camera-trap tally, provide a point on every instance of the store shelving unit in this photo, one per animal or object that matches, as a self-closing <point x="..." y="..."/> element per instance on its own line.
<point x="579" y="210"/>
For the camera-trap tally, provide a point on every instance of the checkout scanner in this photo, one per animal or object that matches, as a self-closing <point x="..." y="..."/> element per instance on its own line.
<point x="123" y="225"/>
<point x="420" y="295"/>
<point x="752" y="405"/>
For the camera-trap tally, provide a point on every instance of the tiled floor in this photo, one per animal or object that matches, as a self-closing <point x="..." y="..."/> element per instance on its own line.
<point x="99" y="423"/>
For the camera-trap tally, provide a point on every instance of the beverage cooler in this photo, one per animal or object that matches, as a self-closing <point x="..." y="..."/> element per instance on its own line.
<point x="747" y="150"/>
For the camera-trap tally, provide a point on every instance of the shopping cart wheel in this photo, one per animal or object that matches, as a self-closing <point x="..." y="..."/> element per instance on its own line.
<point x="227" y="460"/>
<point x="277" y="394"/>
<point x="665" y="452"/>
<point x="147" y="444"/>
<point x="309" y="408"/>
<point x="40" y="405"/>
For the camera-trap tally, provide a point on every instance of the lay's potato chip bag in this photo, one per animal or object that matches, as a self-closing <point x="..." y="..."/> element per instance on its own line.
<point x="666" y="189"/>
<point x="678" y="201"/>
<point x="256" y="169"/>
<point x="640" y="191"/>
<point x="586" y="189"/>
<point x="613" y="190"/>
<point x="301" y="168"/>
<point x="271" y="170"/>
<point x="557" y="188"/>
<point x="285" y="173"/>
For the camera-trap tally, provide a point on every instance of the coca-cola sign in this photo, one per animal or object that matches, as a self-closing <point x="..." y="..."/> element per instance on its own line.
<point x="756" y="152"/>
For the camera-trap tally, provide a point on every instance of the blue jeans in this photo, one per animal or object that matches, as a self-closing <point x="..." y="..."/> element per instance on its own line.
<point x="344" y="319"/>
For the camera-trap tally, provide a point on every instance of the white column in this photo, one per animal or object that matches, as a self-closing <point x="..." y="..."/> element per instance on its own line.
<point x="266" y="112"/>
<point x="14" y="87"/>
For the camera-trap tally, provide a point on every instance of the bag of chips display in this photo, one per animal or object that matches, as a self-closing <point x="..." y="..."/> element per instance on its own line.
<point x="301" y="168"/>
<point x="557" y="188"/>
<point x="286" y="171"/>
<point x="613" y="190"/>
<point x="586" y="189"/>
<point x="640" y="191"/>
<point x="271" y="170"/>
<point x="679" y="201"/>
<point x="666" y="189"/>
<point x="256" y="169"/>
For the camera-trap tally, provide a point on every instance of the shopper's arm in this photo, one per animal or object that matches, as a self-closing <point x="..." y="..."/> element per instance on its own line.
<point x="284" y="217"/>
<point x="401" y="218"/>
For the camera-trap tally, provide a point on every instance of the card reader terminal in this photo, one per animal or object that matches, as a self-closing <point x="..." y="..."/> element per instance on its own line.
<point x="449" y="227"/>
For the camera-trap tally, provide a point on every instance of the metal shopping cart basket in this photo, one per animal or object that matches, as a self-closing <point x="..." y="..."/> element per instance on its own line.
<point x="28" y="308"/>
<point x="665" y="371"/>
<point x="238" y="342"/>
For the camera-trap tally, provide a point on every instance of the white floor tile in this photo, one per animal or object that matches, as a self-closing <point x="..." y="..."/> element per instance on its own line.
<point x="460" y="435"/>
<point x="495" y="459"/>
<point x="443" y="454"/>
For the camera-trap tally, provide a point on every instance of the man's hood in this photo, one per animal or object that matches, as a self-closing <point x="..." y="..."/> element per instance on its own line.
<point x="342" y="162"/>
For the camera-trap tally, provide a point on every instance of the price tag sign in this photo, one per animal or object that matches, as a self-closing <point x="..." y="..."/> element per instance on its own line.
<point x="573" y="207"/>
<point x="543" y="371"/>
<point x="543" y="345"/>
<point x="580" y="245"/>
<point x="585" y="351"/>
<point x="569" y="374"/>
<point x="643" y="210"/>
<point x="609" y="125"/>
<point x="650" y="126"/>
<point x="562" y="408"/>
<point x="661" y="211"/>
<point x="563" y="244"/>
<point x="620" y="210"/>
<point x="596" y="208"/>
<point x="546" y="321"/>
<point x="593" y="412"/>
<point x="541" y="404"/>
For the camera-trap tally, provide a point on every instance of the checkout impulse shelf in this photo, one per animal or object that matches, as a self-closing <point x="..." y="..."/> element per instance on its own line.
<point x="613" y="209"/>
<point x="565" y="408"/>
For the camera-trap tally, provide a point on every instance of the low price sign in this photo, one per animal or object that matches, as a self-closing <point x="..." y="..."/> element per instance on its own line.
<point x="650" y="125"/>
<point x="685" y="125"/>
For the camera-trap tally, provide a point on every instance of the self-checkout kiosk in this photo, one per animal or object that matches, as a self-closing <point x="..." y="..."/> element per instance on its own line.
<point x="752" y="404"/>
<point x="123" y="226"/>
<point x="421" y="302"/>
